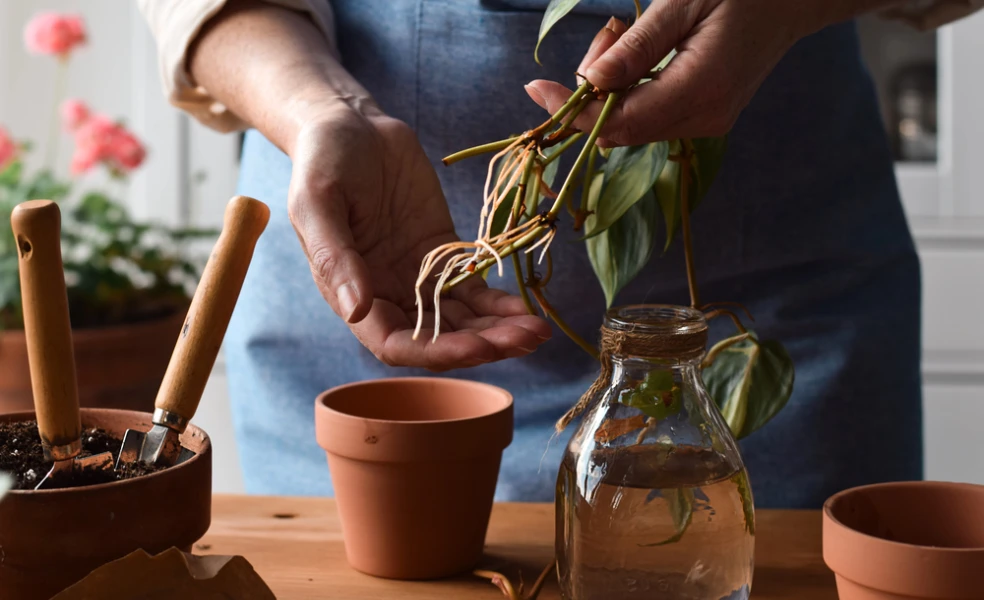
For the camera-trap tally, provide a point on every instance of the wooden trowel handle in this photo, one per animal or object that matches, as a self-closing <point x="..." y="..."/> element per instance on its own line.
<point x="37" y="230"/>
<point x="211" y="308"/>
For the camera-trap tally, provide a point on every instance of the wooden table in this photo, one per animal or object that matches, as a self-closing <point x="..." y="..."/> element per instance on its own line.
<point x="295" y="544"/>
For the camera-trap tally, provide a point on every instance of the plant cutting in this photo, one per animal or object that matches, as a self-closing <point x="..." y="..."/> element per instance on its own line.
<point x="622" y="200"/>
<point x="128" y="281"/>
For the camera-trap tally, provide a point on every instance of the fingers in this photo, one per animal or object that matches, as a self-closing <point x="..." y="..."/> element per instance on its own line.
<point x="678" y="103"/>
<point x="320" y="218"/>
<point x="604" y="40"/>
<point x="643" y="45"/>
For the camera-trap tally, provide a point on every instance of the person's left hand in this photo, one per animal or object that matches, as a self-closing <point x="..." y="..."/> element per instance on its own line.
<point x="726" y="48"/>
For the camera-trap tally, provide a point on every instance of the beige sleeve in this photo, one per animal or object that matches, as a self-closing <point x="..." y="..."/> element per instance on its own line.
<point x="174" y="25"/>
<point x="932" y="14"/>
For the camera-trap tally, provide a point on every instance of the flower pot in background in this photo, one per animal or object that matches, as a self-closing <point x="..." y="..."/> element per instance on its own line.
<point x="118" y="367"/>
<point x="53" y="538"/>
<point x="906" y="541"/>
<point x="414" y="463"/>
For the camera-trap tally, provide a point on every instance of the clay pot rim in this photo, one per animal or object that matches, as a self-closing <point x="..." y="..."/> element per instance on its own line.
<point x="30" y="415"/>
<point x="866" y="538"/>
<point x="87" y="334"/>
<point x="322" y="397"/>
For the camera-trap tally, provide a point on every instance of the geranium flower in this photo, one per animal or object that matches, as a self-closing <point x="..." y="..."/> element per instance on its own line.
<point x="54" y="34"/>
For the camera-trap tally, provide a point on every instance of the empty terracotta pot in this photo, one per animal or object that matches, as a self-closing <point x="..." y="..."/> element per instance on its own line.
<point x="414" y="463"/>
<point x="902" y="541"/>
<point x="53" y="538"/>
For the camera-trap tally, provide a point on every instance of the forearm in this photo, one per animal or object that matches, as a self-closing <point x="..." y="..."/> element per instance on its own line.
<point x="836" y="11"/>
<point x="273" y="68"/>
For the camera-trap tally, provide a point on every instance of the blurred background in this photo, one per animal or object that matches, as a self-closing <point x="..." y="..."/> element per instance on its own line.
<point x="932" y="99"/>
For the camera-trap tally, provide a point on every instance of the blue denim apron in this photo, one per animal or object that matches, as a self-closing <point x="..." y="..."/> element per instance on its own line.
<point x="803" y="225"/>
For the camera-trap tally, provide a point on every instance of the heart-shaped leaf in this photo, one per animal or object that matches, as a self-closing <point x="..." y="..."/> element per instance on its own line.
<point x="621" y="251"/>
<point x="750" y="381"/>
<point x="630" y="173"/>
<point x="555" y="11"/>
<point x="680" y="502"/>
<point x="704" y="167"/>
<point x="658" y="396"/>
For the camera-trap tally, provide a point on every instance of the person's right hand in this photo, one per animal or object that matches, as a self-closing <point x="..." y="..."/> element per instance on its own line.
<point x="367" y="206"/>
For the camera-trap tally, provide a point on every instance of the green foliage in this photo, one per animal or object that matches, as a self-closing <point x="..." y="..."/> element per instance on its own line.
<point x="620" y="252"/>
<point x="630" y="173"/>
<point x="658" y="396"/>
<point x="681" y="505"/>
<point x="751" y="381"/>
<point x="555" y="11"/>
<point x="117" y="270"/>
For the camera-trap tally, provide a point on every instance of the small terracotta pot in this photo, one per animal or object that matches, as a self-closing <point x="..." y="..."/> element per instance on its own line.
<point x="53" y="538"/>
<point x="902" y="541"/>
<point x="117" y="367"/>
<point x="414" y="463"/>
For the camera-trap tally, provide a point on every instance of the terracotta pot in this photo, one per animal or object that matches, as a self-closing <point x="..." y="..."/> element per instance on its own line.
<point x="53" y="538"/>
<point x="117" y="367"/>
<point x="902" y="541"/>
<point x="414" y="463"/>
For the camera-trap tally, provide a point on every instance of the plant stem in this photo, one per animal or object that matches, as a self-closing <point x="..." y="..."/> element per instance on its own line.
<point x="572" y="102"/>
<point x="588" y="177"/>
<point x="518" y="205"/>
<point x="491" y="262"/>
<point x="688" y="243"/>
<point x="478" y="150"/>
<point x="563" y="147"/>
<point x="638" y="8"/>
<point x="51" y="150"/>
<point x="552" y="313"/>
<point x="583" y="156"/>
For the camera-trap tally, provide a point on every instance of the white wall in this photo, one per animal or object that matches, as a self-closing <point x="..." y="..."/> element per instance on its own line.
<point x="116" y="73"/>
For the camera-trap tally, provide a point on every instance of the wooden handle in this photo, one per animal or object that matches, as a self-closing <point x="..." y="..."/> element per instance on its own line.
<point x="211" y="308"/>
<point x="37" y="229"/>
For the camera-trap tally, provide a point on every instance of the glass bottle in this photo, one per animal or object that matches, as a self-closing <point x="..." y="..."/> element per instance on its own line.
<point x="653" y="500"/>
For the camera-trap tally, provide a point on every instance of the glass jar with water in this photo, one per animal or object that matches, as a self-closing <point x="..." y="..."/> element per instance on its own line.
<point x="653" y="500"/>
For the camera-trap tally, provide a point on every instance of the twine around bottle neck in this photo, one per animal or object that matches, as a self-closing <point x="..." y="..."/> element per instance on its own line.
<point x="637" y="342"/>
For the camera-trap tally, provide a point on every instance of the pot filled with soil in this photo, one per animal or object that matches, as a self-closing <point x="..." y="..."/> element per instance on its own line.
<point x="53" y="538"/>
<point x="118" y="366"/>
<point x="921" y="539"/>
<point x="414" y="463"/>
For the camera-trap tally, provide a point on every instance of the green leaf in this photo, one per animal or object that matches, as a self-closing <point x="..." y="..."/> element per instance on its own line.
<point x="11" y="175"/>
<point x="750" y="381"/>
<point x="630" y="173"/>
<point x="667" y="192"/>
<point x="680" y="502"/>
<point x="740" y="479"/>
<point x="555" y="11"/>
<point x="704" y="167"/>
<point x="621" y="251"/>
<point x="708" y="156"/>
<point x="658" y="396"/>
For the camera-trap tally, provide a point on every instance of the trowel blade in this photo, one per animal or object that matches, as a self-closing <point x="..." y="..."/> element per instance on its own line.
<point x="133" y="442"/>
<point x="65" y="468"/>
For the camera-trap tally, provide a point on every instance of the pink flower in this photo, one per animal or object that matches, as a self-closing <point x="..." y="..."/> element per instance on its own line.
<point x="8" y="149"/>
<point x="100" y="140"/>
<point x="84" y="158"/>
<point x="127" y="150"/>
<point x="54" y="34"/>
<point x="74" y="113"/>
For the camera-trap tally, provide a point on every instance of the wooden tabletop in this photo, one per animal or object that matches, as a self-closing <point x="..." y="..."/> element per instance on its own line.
<point x="295" y="544"/>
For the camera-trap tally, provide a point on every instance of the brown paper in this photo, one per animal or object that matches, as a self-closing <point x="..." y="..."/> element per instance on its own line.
<point x="171" y="575"/>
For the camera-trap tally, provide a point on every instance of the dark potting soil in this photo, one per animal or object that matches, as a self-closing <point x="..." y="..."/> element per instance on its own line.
<point x="21" y="456"/>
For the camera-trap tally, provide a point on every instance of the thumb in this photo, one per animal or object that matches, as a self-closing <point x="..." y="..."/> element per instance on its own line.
<point x="342" y="276"/>
<point x="642" y="46"/>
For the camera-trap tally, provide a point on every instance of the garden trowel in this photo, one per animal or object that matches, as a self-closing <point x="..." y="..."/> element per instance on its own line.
<point x="37" y="231"/>
<point x="200" y="338"/>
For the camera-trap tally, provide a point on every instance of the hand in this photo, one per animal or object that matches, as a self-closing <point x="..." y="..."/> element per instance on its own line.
<point x="367" y="206"/>
<point x="726" y="48"/>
